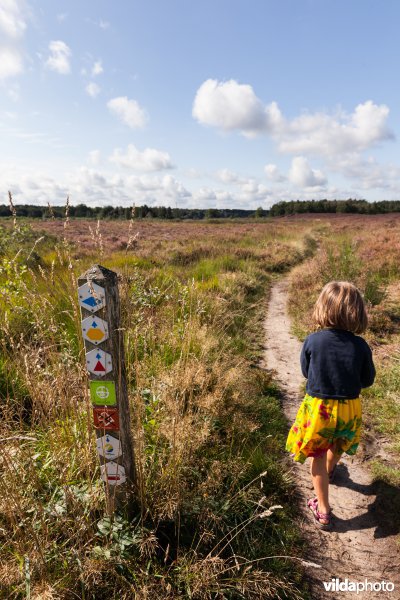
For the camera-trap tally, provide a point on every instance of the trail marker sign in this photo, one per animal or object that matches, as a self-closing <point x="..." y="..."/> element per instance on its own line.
<point x="113" y="473"/>
<point x="105" y="361"/>
<point x="92" y="297"/>
<point x="109" y="447"/>
<point x="102" y="393"/>
<point x="98" y="362"/>
<point x="94" y="330"/>
<point x="106" y="418"/>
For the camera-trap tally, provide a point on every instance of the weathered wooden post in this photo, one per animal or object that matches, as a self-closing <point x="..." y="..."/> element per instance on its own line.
<point x="105" y="362"/>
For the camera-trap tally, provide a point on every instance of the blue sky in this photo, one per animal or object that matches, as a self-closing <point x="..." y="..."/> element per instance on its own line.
<point x="223" y="103"/>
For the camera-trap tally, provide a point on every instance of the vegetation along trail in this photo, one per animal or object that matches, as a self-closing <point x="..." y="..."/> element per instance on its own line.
<point x="361" y="545"/>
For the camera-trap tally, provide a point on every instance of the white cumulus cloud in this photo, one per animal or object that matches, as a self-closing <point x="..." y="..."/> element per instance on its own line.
<point x="92" y="187"/>
<point x="231" y="105"/>
<point x="96" y="187"/>
<point x="329" y="135"/>
<point x="302" y="175"/>
<point x="149" y="159"/>
<point x="368" y="173"/>
<point x="129" y="111"/>
<point x="251" y="190"/>
<point x="59" y="58"/>
<point x="92" y="89"/>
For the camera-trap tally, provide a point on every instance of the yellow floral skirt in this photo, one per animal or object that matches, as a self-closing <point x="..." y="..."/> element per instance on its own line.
<point x="323" y="424"/>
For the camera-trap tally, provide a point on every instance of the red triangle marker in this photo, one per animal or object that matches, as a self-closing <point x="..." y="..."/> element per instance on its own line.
<point x="99" y="367"/>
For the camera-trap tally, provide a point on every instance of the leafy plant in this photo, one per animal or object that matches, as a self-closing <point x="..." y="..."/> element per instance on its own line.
<point x="118" y="537"/>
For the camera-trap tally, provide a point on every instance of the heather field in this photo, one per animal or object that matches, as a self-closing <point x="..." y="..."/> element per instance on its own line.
<point x="216" y="518"/>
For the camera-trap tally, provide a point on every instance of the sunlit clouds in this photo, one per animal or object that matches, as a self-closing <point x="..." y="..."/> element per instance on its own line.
<point x="197" y="114"/>
<point x="128" y="111"/>
<point x="149" y="159"/>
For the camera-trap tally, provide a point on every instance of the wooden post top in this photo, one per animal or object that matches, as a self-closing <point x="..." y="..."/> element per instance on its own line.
<point x="100" y="273"/>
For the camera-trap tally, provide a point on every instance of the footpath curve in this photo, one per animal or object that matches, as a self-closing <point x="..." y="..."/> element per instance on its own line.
<point x="362" y="545"/>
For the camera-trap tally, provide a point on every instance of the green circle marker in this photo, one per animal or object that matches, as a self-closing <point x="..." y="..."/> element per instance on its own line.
<point x="102" y="393"/>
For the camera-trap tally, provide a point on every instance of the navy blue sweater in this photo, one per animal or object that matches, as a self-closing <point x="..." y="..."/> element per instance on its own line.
<point x="336" y="363"/>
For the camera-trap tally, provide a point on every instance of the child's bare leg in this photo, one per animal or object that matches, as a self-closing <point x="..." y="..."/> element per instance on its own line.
<point x="321" y="484"/>
<point x="332" y="458"/>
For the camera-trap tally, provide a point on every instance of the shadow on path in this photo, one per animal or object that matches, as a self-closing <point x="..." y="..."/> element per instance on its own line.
<point x="383" y="513"/>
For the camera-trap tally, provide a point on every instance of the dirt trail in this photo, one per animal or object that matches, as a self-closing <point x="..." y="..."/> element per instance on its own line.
<point x="362" y="544"/>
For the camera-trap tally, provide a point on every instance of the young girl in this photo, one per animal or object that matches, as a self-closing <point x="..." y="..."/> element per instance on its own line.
<point x="337" y="364"/>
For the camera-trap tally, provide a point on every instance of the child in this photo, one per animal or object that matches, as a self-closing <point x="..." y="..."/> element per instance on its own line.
<point x="337" y="364"/>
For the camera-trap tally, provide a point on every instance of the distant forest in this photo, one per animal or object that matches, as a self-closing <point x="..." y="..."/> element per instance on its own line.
<point x="334" y="206"/>
<point x="161" y="212"/>
<point x="120" y="212"/>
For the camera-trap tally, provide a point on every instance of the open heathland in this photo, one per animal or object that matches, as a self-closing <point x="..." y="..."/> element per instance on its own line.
<point x="215" y="510"/>
<point x="216" y="516"/>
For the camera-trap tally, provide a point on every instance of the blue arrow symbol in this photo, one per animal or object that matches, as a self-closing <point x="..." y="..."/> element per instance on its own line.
<point x="91" y="301"/>
<point x="98" y="356"/>
<point x="94" y="324"/>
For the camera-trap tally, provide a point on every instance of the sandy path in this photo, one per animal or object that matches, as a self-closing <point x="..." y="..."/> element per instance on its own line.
<point x="362" y="544"/>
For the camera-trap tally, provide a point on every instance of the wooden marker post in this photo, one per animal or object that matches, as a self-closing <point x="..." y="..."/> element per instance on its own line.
<point x="105" y="362"/>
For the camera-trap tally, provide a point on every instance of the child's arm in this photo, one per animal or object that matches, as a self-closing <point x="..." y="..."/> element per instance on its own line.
<point x="368" y="369"/>
<point x="305" y="359"/>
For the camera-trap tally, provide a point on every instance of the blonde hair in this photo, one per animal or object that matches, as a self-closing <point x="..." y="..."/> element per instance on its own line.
<point x="341" y="306"/>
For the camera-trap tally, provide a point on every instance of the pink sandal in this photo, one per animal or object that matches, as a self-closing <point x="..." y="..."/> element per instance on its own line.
<point x="318" y="516"/>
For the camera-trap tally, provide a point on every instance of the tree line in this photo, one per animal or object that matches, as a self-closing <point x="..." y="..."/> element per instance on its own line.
<point x="334" y="206"/>
<point x="279" y="209"/>
<point x="119" y="212"/>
